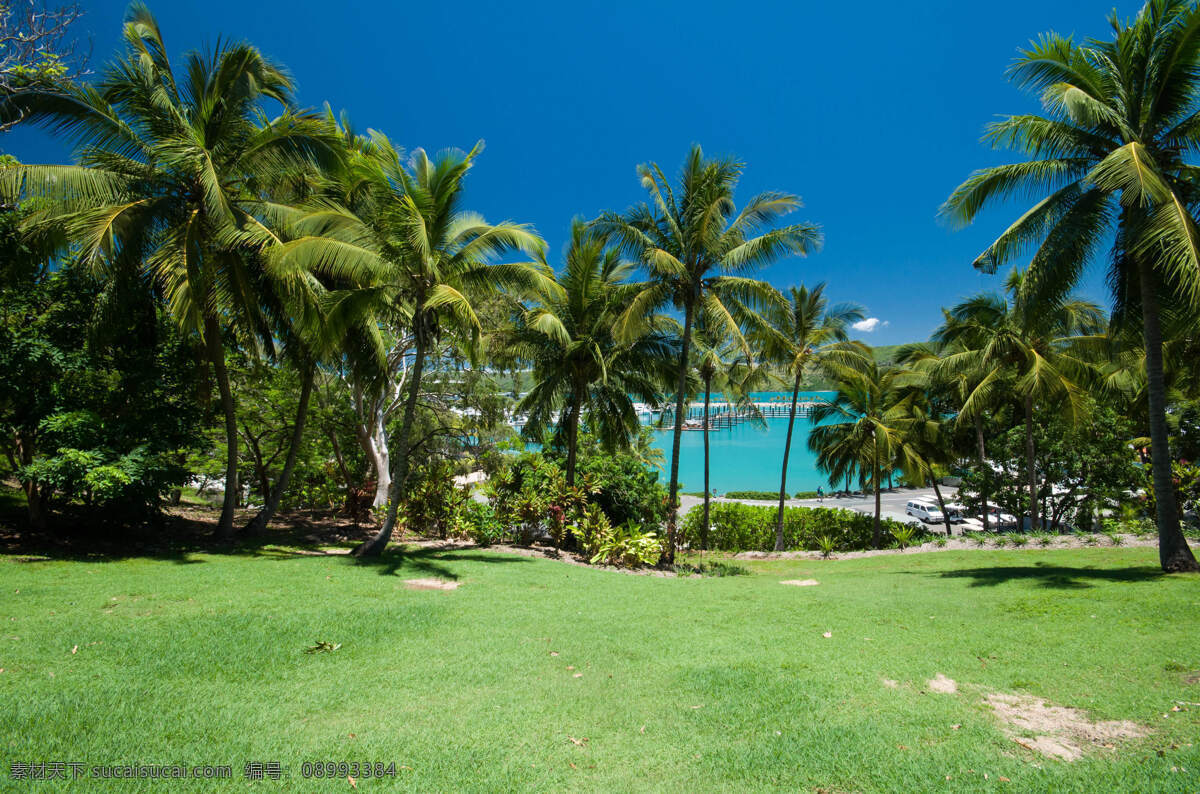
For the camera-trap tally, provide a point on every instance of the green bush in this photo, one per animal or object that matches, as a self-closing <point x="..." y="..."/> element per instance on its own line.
<point x="627" y="546"/>
<point x="740" y="527"/>
<point x="806" y="495"/>
<point x="478" y="520"/>
<point x="768" y="495"/>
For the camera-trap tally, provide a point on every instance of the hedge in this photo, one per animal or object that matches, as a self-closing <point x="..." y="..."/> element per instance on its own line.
<point x="740" y="527"/>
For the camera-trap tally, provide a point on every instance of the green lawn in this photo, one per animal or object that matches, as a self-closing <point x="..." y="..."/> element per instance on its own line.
<point x="687" y="684"/>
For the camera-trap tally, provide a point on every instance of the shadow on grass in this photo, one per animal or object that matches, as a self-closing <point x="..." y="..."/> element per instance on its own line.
<point x="1060" y="577"/>
<point x="427" y="561"/>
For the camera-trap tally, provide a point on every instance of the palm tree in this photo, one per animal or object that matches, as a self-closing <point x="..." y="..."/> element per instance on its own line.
<point x="923" y="361"/>
<point x="724" y="362"/>
<point x="568" y="336"/>
<point x="800" y="332"/>
<point x="1110" y="158"/>
<point x="1024" y="346"/>
<point x="420" y="260"/>
<point x="870" y="436"/>
<point x="170" y="182"/>
<point x="698" y="247"/>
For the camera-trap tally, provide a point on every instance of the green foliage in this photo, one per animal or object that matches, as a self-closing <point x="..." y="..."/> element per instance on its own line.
<point x="742" y="527"/>
<point x="478" y="520"/>
<point x="433" y="504"/>
<point x="1018" y="540"/>
<point x="96" y="407"/>
<point x="904" y="535"/>
<point x="627" y="546"/>
<point x="805" y="495"/>
<point x="826" y="544"/>
<point x="760" y="495"/>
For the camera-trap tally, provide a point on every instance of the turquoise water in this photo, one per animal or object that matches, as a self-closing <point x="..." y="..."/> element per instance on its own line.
<point x="746" y="458"/>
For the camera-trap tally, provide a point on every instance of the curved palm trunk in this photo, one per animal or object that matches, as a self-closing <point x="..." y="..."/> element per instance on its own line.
<point x="983" y="495"/>
<point x="377" y="544"/>
<point x="681" y="383"/>
<point x="1173" y="552"/>
<point x="707" y="489"/>
<point x="787" y="449"/>
<point x="260" y="521"/>
<point x="573" y="434"/>
<point x="216" y="356"/>
<point x="1034" y="523"/>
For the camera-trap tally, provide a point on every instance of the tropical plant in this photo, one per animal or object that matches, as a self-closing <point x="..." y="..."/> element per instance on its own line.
<point x="417" y="256"/>
<point x="1022" y="346"/>
<point x="801" y="332"/>
<point x="723" y="361"/>
<point x="863" y="429"/>
<point x="582" y="371"/>
<point x="1109" y="159"/>
<point x="698" y="248"/>
<point x="627" y="546"/>
<point x="904" y="536"/>
<point x="170" y="184"/>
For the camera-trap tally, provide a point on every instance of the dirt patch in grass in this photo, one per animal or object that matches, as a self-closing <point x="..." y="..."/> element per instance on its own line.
<point x="942" y="685"/>
<point x="1059" y="732"/>
<point x="430" y="584"/>
<point x="891" y="683"/>
<point x="801" y="582"/>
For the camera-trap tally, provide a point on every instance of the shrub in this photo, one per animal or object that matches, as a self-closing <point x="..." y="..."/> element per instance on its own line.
<point x="627" y="546"/>
<point x="1018" y="541"/>
<point x="433" y="503"/>
<point x="806" y="495"/>
<point x="478" y="520"/>
<point x="940" y="541"/>
<point x="826" y="543"/>
<point x="904" y="536"/>
<point x="742" y="527"/>
<point x="1115" y="538"/>
<point x="1044" y="539"/>
<point x="761" y="495"/>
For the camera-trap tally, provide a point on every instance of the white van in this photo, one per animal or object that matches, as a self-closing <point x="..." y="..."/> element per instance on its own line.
<point x="928" y="512"/>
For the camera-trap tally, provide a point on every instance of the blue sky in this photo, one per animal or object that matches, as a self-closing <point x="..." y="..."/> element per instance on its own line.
<point x="872" y="112"/>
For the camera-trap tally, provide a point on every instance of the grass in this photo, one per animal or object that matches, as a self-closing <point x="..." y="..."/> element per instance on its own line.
<point x="536" y="675"/>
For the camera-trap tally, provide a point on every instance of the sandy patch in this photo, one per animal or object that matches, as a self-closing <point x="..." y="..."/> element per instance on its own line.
<point x="801" y="582"/>
<point x="942" y="685"/>
<point x="1062" y="732"/>
<point x="430" y="584"/>
<point x="891" y="683"/>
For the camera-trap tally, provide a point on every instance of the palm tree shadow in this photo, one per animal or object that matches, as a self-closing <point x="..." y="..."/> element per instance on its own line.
<point x="427" y="562"/>
<point x="1058" y="577"/>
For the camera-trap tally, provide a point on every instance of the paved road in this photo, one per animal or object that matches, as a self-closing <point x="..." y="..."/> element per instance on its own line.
<point x="891" y="502"/>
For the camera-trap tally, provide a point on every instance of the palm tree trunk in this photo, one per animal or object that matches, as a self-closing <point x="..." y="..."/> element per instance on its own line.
<point x="668" y="557"/>
<point x="260" y="521"/>
<point x="787" y="449"/>
<point x="377" y="544"/>
<point x="704" y="526"/>
<point x="983" y="495"/>
<point x="1173" y="552"/>
<point x="216" y="356"/>
<point x="573" y="434"/>
<point x="942" y="504"/>
<point x="1031" y="473"/>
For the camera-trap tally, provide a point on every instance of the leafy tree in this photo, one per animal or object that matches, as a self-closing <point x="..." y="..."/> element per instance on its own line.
<point x="801" y="332"/>
<point x="38" y="47"/>
<point x="169" y="184"/>
<point x="1109" y="158"/>
<point x="697" y="248"/>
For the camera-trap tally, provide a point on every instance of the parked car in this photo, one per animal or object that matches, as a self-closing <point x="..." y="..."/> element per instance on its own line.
<point x="958" y="513"/>
<point x="998" y="518"/>
<point x="928" y="512"/>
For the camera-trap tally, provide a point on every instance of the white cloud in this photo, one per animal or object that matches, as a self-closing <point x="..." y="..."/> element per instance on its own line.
<point x="868" y="325"/>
